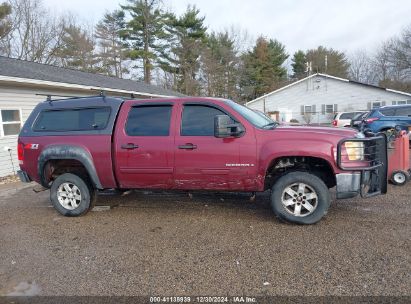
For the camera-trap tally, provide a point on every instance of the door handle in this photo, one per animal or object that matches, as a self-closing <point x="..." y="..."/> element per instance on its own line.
<point x="188" y="147"/>
<point x="129" y="146"/>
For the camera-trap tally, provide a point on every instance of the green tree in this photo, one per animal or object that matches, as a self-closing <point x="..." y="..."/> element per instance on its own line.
<point x="145" y="33"/>
<point x="111" y="46"/>
<point x="78" y="50"/>
<point x="219" y="63"/>
<point x="337" y="63"/>
<point x="299" y="65"/>
<point x="263" y="68"/>
<point x="189" y="37"/>
<point x="5" y="23"/>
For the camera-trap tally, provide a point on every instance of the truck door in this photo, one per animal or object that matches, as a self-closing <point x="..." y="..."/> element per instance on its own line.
<point x="143" y="144"/>
<point x="203" y="161"/>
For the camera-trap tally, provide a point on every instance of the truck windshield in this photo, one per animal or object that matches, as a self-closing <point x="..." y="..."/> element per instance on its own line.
<point x="258" y="119"/>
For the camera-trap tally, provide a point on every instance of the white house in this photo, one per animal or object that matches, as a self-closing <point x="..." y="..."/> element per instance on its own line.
<point x="316" y="98"/>
<point x="23" y="84"/>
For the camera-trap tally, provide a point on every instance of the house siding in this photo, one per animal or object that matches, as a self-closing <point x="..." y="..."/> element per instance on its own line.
<point x="319" y="91"/>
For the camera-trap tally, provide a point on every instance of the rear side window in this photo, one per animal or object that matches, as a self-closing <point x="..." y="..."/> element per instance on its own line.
<point x="149" y="121"/>
<point x="199" y="120"/>
<point x="388" y="112"/>
<point x="347" y="115"/>
<point x="406" y="111"/>
<point x="73" y="119"/>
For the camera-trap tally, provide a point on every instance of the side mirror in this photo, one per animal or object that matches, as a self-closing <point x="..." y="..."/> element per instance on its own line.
<point x="225" y="127"/>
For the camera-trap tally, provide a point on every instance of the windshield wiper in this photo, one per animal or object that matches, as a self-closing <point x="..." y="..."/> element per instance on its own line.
<point x="271" y="124"/>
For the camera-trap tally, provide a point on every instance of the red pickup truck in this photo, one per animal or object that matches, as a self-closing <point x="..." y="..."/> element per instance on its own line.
<point x="80" y="146"/>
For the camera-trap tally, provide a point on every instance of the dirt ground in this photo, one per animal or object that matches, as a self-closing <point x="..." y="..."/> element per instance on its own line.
<point x="156" y="243"/>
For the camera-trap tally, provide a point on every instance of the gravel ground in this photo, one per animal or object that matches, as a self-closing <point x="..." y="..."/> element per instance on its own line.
<point x="202" y="244"/>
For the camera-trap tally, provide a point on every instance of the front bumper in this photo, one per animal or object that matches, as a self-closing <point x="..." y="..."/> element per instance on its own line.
<point x="24" y="177"/>
<point x="348" y="185"/>
<point x="368" y="179"/>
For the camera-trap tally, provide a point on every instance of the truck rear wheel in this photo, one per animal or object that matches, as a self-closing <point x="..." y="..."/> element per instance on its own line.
<point x="300" y="197"/>
<point x="72" y="195"/>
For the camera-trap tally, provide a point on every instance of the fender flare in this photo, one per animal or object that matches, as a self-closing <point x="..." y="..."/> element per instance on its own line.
<point x="67" y="152"/>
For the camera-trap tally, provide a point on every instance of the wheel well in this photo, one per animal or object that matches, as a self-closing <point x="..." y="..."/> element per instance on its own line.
<point x="55" y="167"/>
<point x="314" y="165"/>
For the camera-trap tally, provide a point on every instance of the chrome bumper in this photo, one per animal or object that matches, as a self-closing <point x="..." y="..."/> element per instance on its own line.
<point x="348" y="185"/>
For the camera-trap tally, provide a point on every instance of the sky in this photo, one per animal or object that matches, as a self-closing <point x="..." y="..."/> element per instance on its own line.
<point x="345" y="25"/>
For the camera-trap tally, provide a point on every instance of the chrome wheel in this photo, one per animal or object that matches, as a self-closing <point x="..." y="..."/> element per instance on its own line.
<point x="299" y="199"/>
<point x="69" y="196"/>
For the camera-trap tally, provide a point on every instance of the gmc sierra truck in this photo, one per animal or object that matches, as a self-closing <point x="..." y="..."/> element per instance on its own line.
<point x="78" y="147"/>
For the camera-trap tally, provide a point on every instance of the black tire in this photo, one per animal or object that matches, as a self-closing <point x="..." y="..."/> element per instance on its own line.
<point x="314" y="185"/>
<point x="399" y="178"/>
<point x="85" y="189"/>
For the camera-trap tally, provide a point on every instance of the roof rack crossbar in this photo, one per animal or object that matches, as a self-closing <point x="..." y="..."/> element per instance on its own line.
<point x="50" y="96"/>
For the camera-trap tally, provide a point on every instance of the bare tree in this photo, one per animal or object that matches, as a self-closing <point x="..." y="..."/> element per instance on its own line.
<point x="393" y="62"/>
<point x="35" y="33"/>
<point x="361" y="68"/>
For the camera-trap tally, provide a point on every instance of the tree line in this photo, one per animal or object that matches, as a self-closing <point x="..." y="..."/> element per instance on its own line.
<point x="142" y="40"/>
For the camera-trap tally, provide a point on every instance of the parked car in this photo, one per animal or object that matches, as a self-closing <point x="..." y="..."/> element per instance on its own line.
<point x="77" y="147"/>
<point x="356" y="121"/>
<point x="388" y="118"/>
<point x="343" y="119"/>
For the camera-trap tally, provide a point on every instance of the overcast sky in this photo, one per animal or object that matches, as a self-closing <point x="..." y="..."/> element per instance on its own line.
<point x="346" y="25"/>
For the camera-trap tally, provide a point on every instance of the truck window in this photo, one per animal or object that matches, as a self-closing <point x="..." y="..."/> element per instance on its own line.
<point x="72" y="119"/>
<point x="198" y="120"/>
<point x="153" y="120"/>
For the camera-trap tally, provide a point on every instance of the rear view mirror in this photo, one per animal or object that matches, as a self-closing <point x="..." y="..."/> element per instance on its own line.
<point x="225" y="127"/>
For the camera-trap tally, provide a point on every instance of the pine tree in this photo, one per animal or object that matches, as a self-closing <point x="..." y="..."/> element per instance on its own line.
<point x="145" y="33"/>
<point x="190" y="35"/>
<point x="337" y="63"/>
<point x="263" y="68"/>
<point x="111" y="52"/>
<point x="220" y="66"/>
<point x="77" y="50"/>
<point x="299" y="65"/>
<point x="5" y="24"/>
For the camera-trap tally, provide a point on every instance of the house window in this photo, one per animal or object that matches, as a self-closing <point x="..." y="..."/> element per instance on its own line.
<point x="401" y="102"/>
<point x="376" y="104"/>
<point x="329" y="108"/>
<point x="408" y="101"/>
<point x="307" y="109"/>
<point x="10" y="122"/>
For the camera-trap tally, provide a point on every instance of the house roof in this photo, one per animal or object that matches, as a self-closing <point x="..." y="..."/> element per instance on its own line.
<point x="327" y="76"/>
<point x="14" y="69"/>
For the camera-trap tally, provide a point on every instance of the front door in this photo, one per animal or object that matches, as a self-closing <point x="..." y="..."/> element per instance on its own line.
<point x="203" y="161"/>
<point x="144" y="146"/>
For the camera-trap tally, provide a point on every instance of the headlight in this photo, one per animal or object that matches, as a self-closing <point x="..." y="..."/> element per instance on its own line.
<point x="355" y="150"/>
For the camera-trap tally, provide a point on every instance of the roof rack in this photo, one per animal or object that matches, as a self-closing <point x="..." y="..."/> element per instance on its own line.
<point x="50" y="96"/>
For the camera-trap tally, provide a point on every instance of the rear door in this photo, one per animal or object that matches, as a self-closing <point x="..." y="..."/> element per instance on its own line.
<point x="403" y="117"/>
<point x="143" y="145"/>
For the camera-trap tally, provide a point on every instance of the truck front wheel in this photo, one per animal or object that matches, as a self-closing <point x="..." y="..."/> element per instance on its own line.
<point x="72" y="195"/>
<point x="300" y="197"/>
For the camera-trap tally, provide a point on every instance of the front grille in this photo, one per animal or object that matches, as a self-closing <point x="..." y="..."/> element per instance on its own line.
<point x="373" y="165"/>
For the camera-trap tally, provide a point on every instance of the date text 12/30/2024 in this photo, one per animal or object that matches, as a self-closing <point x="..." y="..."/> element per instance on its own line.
<point x="203" y="299"/>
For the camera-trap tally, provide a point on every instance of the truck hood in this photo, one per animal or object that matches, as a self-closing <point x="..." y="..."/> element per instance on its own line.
<point x="322" y="131"/>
